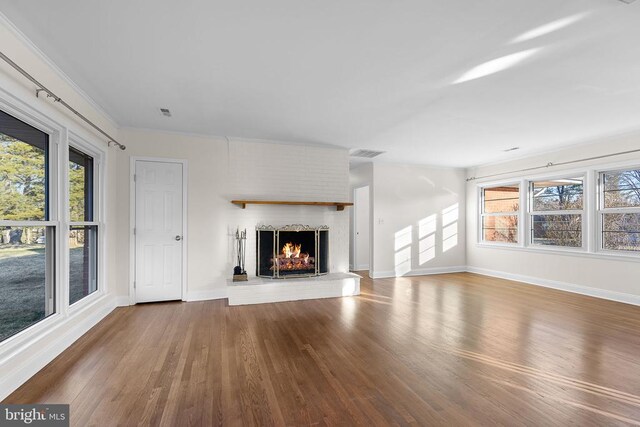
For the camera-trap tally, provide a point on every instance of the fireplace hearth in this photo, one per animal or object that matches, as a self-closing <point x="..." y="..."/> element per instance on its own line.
<point x="292" y="251"/>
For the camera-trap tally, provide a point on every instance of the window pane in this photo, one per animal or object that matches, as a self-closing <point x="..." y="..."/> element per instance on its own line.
<point x="26" y="285"/>
<point x="80" y="186"/>
<point x="622" y="189"/>
<point x="557" y="230"/>
<point x="621" y="232"/>
<point x="501" y="199"/>
<point x="23" y="171"/>
<point x="558" y="194"/>
<point x="502" y="228"/>
<point x="83" y="260"/>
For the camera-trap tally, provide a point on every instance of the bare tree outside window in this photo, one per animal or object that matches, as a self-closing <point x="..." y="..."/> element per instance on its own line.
<point x="620" y="213"/>
<point x="556" y="212"/>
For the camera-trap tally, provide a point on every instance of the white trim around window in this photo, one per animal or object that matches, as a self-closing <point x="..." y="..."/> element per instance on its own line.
<point x="98" y="154"/>
<point x="591" y="214"/>
<point x="60" y="137"/>
<point x="602" y="210"/>
<point x="532" y="213"/>
<point x="482" y="214"/>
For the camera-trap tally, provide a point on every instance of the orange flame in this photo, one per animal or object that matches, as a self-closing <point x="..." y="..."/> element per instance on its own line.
<point x="291" y="250"/>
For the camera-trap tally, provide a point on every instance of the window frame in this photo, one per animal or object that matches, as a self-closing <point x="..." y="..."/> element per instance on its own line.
<point x="482" y="214"/>
<point x="98" y="154"/>
<point x="57" y="134"/>
<point x="591" y="224"/>
<point x="601" y="210"/>
<point x="529" y="241"/>
<point x="62" y="133"/>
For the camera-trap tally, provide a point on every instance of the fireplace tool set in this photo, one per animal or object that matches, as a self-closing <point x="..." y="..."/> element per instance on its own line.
<point x="239" y="273"/>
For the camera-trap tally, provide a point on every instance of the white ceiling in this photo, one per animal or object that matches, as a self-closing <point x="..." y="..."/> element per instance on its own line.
<point x="374" y="74"/>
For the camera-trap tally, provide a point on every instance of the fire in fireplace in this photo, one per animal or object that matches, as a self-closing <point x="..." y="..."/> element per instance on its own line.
<point x="292" y="258"/>
<point x="293" y="250"/>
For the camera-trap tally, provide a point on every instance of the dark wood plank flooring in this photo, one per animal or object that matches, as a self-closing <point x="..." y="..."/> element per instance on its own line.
<point x="456" y="349"/>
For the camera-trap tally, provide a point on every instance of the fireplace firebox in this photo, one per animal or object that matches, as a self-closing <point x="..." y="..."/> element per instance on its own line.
<point x="292" y="251"/>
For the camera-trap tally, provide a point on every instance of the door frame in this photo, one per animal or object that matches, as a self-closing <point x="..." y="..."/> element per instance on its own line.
<point x="132" y="221"/>
<point x="355" y="228"/>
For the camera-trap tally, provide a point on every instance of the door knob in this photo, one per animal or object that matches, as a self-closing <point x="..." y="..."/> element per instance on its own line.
<point x="178" y="238"/>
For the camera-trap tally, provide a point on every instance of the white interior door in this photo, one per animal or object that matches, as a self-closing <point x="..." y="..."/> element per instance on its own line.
<point x="158" y="231"/>
<point x="361" y="206"/>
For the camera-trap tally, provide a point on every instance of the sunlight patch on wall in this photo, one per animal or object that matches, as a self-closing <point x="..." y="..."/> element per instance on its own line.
<point x="427" y="248"/>
<point x="427" y="239"/>
<point x="403" y="238"/>
<point x="450" y="214"/>
<point x="449" y="237"/>
<point x="403" y="241"/>
<point x="450" y="217"/>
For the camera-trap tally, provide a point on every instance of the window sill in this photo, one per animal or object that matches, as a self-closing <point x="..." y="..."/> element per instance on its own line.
<point x="49" y="326"/>
<point x="85" y="301"/>
<point x="29" y="335"/>
<point x="566" y="252"/>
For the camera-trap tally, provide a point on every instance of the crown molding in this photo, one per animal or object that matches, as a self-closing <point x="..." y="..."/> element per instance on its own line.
<point x="44" y="58"/>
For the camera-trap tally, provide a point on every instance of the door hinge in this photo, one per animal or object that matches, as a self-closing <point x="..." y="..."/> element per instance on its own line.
<point x="134" y="285"/>
<point x="135" y="177"/>
<point x="134" y="231"/>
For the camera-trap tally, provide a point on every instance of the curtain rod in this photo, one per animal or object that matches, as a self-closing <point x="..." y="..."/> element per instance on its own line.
<point x="548" y="165"/>
<point x="50" y="94"/>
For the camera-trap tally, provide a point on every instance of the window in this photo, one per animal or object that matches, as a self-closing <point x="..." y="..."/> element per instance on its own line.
<point x="556" y="209"/>
<point x="27" y="235"/>
<point x="83" y="231"/>
<point x="500" y="211"/>
<point x="620" y="210"/>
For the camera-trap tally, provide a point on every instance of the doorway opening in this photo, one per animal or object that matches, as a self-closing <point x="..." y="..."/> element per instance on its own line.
<point x="361" y="229"/>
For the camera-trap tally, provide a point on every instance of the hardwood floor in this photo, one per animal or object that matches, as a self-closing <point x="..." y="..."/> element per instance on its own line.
<point x="456" y="349"/>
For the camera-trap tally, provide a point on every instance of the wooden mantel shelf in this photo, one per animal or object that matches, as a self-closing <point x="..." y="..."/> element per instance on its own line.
<point x="243" y="203"/>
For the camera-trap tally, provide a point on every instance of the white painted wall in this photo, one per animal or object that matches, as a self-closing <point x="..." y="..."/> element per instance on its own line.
<point x="220" y="171"/>
<point x="24" y="354"/>
<point x="208" y="172"/>
<point x="418" y="220"/>
<point x="608" y="277"/>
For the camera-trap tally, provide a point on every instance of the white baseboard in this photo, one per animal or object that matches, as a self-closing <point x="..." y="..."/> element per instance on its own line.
<point x="382" y="274"/>
<point x="31" y="358"/>
<point x="562" y="286"/>
<point x="441" y="270"/>
<point x="217" y="293"/>
<point x="362" y="267"/>
<point x="418" y="272"/>
<point x="123" y="301"/>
